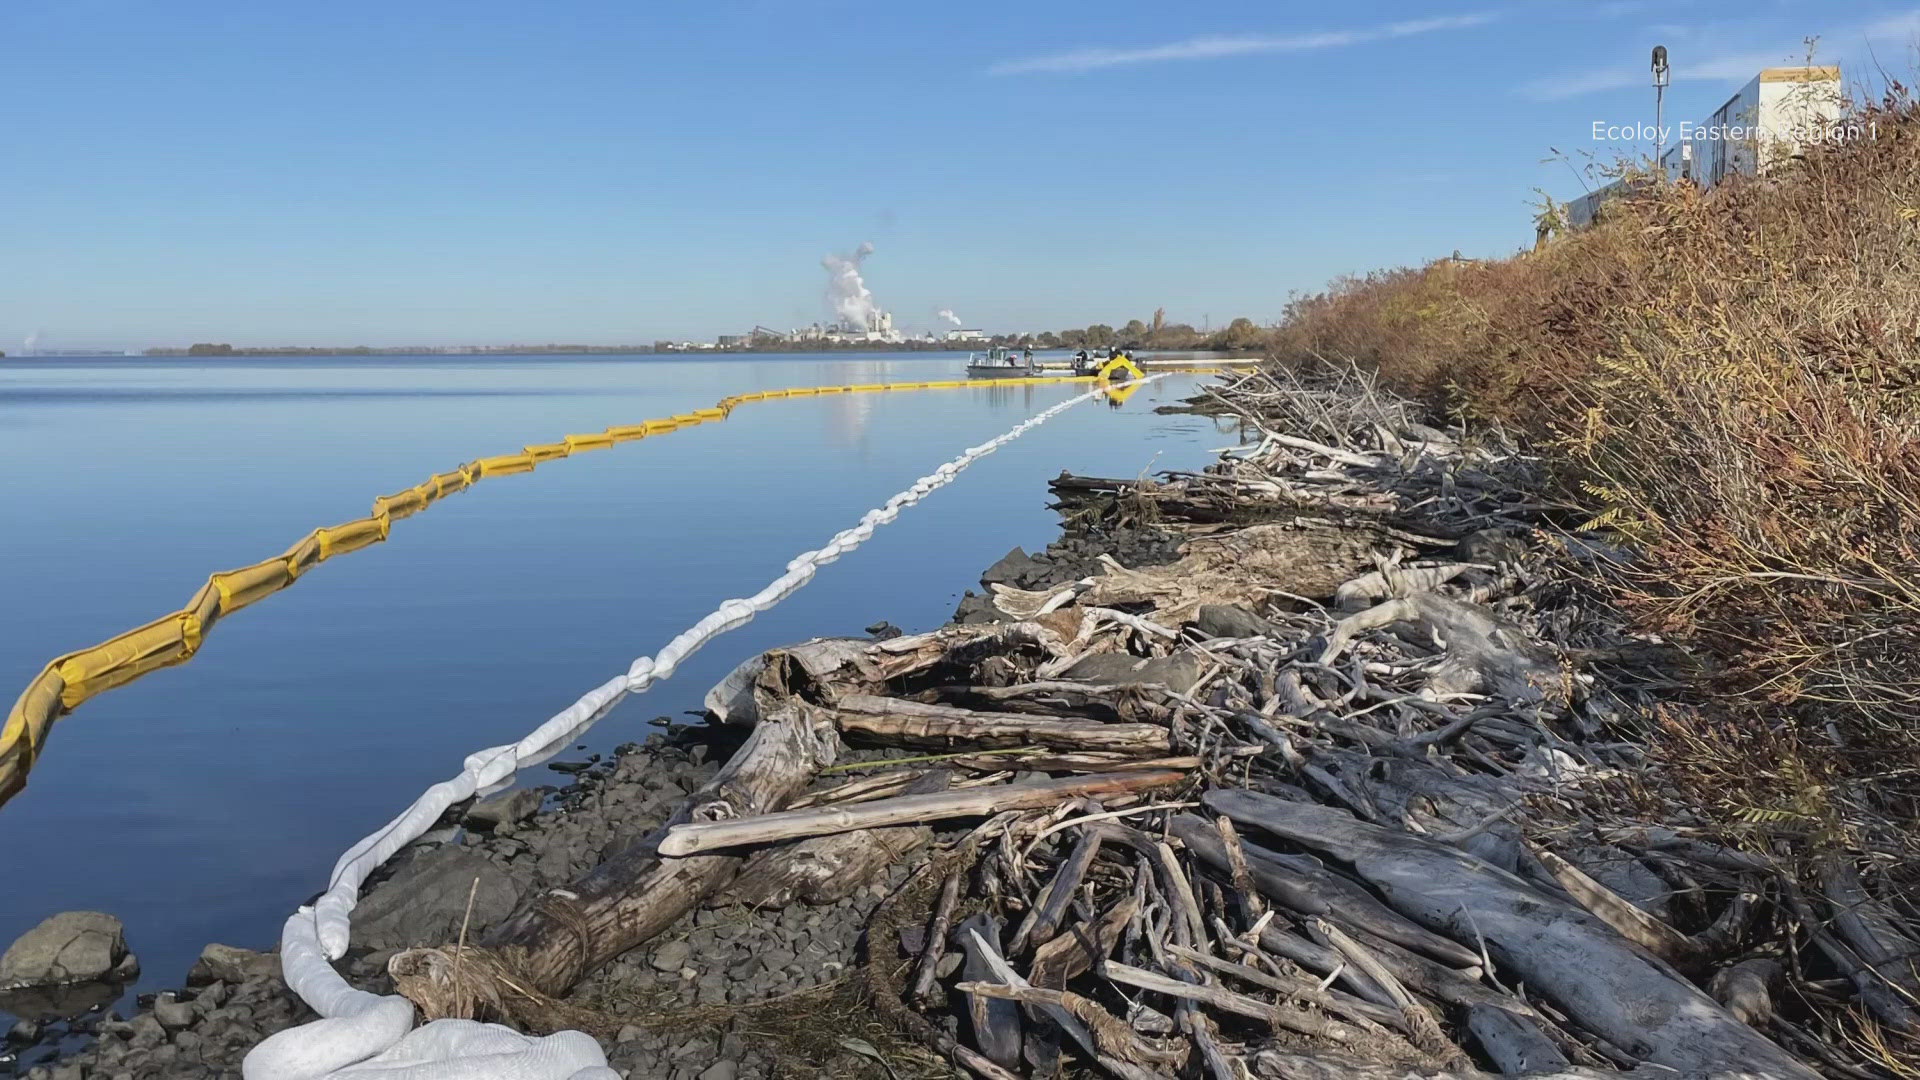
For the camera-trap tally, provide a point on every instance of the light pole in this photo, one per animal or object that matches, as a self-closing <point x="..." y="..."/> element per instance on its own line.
<point x="1659" y="108"/>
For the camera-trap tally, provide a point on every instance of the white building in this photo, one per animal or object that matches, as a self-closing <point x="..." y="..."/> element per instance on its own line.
<point x="966" y="335"/>
<point x="1768" y="121"/>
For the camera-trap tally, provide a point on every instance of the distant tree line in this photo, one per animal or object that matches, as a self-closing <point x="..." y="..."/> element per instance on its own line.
<point x="1240" y="335"/>
<point x="212" y="349"/>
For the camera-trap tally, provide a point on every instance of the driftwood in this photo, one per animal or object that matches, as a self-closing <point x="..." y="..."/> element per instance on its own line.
<point x="1512" y="1042"/>
<point x="825" y="869"/>
<point x="912" y="723"/>
<point x="995" y="1021"/>
<point x="1262" y="833"/>
<point x="636" y="894"/>
<point x="695" y="837"/>
<point x="1562" y="951"/>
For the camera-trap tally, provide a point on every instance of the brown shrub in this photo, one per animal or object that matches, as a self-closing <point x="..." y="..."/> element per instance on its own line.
<point x="1731" y="379"/>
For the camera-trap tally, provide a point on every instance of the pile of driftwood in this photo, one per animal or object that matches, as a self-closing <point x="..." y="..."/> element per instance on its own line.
<point x="1350" y="789"/>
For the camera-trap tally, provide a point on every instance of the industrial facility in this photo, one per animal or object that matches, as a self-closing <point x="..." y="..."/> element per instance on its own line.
<point x="1768" y="121"/>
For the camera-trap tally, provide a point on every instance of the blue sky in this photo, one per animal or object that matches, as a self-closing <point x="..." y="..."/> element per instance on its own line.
<point x="435" y="172"/>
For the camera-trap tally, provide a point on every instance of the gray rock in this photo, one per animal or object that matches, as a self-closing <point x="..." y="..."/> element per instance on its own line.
<point x="1014" y="568"/>
<point x="721" y="1070"/>
<point x="1177" y="672"/>
<point x="629" y="1033"/>
<point x="23" y="1032"/>
<point x="71" y="947"/>
<point x="173" y="1015"/>
<point x="975" y="609"/>
<point x="147" y="1033"/>
<point x="672" y="956"/>
<point x="505" y="808"/>
<point x="230" y="965"/>
<point x="426" y="902"/>
<point x="1229" y="621"/>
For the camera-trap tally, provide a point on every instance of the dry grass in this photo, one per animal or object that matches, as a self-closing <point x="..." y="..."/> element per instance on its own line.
<point x="1730" y="379"/>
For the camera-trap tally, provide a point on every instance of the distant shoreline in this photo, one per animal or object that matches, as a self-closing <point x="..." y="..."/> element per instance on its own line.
<point x="584" y="350"/>
<point x="561" y="350"/>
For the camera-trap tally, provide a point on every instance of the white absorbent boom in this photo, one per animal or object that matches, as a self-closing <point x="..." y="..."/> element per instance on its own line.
<point x="366" y="1035"/>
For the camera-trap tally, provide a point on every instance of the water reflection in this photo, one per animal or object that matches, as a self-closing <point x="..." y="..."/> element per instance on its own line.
<point x="201" y="802"/>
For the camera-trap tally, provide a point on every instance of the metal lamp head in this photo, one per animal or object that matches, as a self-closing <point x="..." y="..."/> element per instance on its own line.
<point x="1659" y="65"/>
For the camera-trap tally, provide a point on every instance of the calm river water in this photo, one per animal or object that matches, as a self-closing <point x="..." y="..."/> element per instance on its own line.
<point x="204" y="802"/>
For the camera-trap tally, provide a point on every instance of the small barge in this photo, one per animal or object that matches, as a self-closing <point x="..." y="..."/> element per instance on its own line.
<point x="1002" y="363"/>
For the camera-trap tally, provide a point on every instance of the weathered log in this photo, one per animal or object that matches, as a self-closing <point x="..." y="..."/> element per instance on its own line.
<point x="1043" y="921"/>
<point x="827" y="869"/>
<point x="735" y="698"/>
<point x="1353" y="1008"/>
<point x="1512" y="1042"/>
<point x="1297" y="1020"/>
<point x="914" y="723"/>
<point x="1484" y="653"/>
<point x="926" y="968"/>
<point x="1205" y="842"/>
<point x="1115" y="1047"/>
<point x="1865" y="923"/>
<point x="995" y="1021"/>
<point x="822" y="869"/>
<point x="1421" y="1026"/>
<point x="691" y="838"/>
<point x="1286" y="1065"/>
<point x="1351" y="903"/>
<point x="1598" y="978"/>
<point x="1321" y="960"/>
<point x="1429" y="977"/>
<point x="1634" y="924"/>
<point x="563" y="934"/>
<point x="1081" y="947"/>
<point x="1316" y="891"/>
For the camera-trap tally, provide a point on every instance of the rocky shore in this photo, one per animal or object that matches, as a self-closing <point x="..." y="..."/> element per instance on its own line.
<point x="1328" y="762"/>
<point x="701" y="997"/>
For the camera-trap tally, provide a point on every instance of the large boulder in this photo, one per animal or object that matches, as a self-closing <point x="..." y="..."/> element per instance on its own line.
<point x="71" y="947"/>
<point x="506" y="808"/>
<point x="1015" y="569"/>
<point x="425" y="903"/>
<point x="233" y="966"/>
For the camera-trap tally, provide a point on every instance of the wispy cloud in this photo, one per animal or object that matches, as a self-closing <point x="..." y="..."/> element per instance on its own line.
<point x="1081" y="61"/>
<point x="1726" y="67"/>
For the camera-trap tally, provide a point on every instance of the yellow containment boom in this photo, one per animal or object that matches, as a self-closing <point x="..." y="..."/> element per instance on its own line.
<point x="173" y="639"/>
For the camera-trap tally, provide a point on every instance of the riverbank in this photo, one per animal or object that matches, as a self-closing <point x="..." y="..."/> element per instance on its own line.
<point x="1302" y="765"/>
<point x="691" y="998"/>
<point x="1725" y="380"/>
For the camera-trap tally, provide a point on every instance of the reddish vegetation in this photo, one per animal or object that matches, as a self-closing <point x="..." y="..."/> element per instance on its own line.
<point x="1731" y="380"/>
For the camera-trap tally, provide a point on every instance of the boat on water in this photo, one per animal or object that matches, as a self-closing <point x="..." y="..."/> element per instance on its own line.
<point x="1002" y="363"/>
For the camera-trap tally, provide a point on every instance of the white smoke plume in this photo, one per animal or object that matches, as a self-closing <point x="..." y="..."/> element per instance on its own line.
<point x="847" y="292"/>
<point x="947" y="314"/>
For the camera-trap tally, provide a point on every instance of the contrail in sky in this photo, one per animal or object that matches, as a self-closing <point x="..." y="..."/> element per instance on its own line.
<point x="1212" y="47"/>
